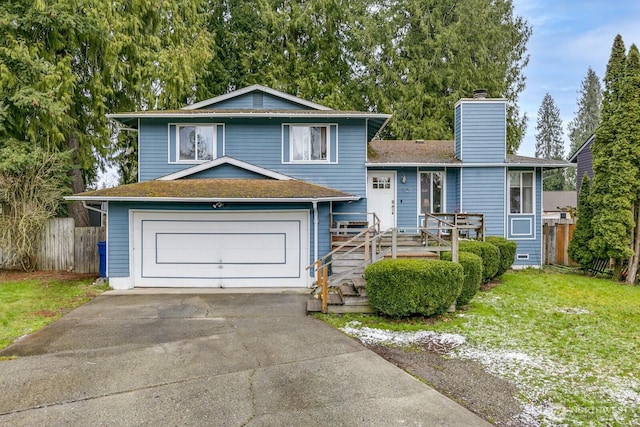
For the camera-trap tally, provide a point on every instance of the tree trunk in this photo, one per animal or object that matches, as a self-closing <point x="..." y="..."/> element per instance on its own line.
<point x="633" y="262"/>
<point x="75" y="209"/>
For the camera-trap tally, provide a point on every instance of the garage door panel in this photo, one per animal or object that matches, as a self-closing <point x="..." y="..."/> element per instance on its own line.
<point x="221" y="249"/>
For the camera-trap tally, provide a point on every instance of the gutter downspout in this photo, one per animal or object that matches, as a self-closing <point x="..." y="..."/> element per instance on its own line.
<point x="315" y="233"/>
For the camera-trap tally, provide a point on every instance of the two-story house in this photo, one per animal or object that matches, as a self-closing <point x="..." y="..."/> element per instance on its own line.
<point x="239" y="190"/>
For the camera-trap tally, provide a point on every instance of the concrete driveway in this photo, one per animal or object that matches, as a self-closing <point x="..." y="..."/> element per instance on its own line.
<point x="214" y="359"/>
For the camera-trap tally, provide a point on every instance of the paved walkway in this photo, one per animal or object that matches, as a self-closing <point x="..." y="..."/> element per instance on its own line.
<point x="215" y="359"/>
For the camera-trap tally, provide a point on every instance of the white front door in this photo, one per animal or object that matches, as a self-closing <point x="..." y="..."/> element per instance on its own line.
<point x="381" y="197"/>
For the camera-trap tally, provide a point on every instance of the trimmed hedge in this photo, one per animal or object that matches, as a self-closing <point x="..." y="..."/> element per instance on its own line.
<point x="406" y="287"/>
<point x="472" y="265"/>
<point x="507" y="249"/>
<point x="489" y="253"/>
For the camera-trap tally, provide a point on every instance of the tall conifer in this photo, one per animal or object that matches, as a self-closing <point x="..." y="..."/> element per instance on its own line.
<point x="549" y="143"/>
<point x="579" y="246"/>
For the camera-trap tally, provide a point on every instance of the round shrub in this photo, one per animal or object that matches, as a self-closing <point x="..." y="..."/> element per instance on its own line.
<point x="490" y="256"/>
<point x="507" y="249"/>
<point x="406" y="287"/>
<point x="472" y="266"/>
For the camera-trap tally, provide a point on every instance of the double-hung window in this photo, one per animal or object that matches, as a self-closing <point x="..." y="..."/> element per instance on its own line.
<point x="520" y="192"/>
<point x="431" y="192"/>
<point x="309" y="143"/>
<point x="196" y="143"/>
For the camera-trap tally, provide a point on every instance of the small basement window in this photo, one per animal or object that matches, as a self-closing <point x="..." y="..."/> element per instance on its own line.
<point x="522" y="257"/>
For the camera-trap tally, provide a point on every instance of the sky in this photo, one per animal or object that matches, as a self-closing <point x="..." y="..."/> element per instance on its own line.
<point x="568" y="37"/>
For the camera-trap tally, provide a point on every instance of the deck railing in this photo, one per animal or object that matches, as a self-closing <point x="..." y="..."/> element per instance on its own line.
<point x="440" y="232"/>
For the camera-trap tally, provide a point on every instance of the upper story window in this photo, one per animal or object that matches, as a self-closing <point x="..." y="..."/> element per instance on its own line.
<point x="431" y="192"/>
<point x="520" y="192"/>
<point x="309" y="143"/>
<point x="196" y="143"/>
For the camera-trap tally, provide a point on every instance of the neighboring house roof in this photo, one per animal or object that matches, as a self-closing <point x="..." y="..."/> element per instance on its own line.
<point x="437" y="153"/>
<point x="555" y="201"/>
<point x="225" y="160"/>
<point x="254" y="88"/>
<point x="513" y="159"/>
<point x="400" y="152"/>
<point x="584" y="146"/>
<point x="217" y="190"/>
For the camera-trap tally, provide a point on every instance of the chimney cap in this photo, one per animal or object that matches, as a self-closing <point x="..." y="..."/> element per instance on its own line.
<point x="480" y="94"/>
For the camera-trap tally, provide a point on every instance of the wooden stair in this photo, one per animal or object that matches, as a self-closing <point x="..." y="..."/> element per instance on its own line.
<point x="349" y="297"/>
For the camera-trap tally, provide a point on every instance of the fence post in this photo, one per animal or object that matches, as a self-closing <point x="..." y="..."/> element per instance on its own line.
<point x="454" y="244"/>
<point x="366" y="245"/>
<point x="394" y="243"/>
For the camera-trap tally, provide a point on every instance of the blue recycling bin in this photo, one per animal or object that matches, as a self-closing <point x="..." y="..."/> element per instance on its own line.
<point x="102" y="252"/>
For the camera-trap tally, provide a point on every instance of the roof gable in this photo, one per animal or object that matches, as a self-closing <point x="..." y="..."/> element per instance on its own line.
<point x="584" y="146"/>
<point x="225" y="161"/>
<point x="246" y="98"/>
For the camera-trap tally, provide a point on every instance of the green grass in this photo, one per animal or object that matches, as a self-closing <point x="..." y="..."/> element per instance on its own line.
<point x="28" y="305"/>
<point x="570" y="343"/>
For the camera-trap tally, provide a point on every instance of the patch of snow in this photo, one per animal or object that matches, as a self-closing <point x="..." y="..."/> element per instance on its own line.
<point x="401" y="338"/>
<point x="572" y="310"/>
<point x="536" y="377"/>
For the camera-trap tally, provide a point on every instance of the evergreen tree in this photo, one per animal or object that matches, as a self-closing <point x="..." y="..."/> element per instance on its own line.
<point x="428" y="55"/>
<point x="586" y="119"/>
<point x="549" y="144"/>
<point x="579" y="250"/>
<point x="628" y="149"/>
<point x="611" y="199"/>
<point x="64" y="64"/>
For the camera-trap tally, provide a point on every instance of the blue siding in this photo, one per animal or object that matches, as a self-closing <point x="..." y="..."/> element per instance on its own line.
<point x="483" y="130"/>
<point x="227" y="171"/>
<point x="407" y="199"/>
<point x="118" y="227"/>
<point x="260" y="141"/>
<point x="452" y="186"/>
<point x="532" y="246"/>
<point x="483" y="191"/>
<point x="458" y="131"/>
<point x="256" y="101"/>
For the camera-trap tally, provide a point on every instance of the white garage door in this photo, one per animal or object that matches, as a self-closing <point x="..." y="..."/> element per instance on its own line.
<point x="221" y="249"/>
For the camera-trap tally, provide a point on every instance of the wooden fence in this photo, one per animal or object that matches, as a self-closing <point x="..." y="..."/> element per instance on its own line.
<point x="557" y="233"/>
<point x="63" y="246"/>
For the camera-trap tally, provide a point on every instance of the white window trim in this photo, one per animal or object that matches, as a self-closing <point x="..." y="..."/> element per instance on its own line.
<point x="328" y="126"/>
<point x="533" y="193"/>
<point x="214" y="149"/>
<point x="419" y="191"/>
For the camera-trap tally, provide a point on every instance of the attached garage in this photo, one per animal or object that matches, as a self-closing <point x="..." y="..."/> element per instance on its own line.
<point x="178" y="231"/>
<point x="220" y="249"/>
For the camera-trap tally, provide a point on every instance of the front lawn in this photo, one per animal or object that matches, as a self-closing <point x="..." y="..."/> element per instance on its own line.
<point x="28" y="304"/>
<point x="569" y="343"/>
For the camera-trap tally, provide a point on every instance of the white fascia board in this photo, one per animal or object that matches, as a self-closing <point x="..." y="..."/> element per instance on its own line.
<point x="574" y="157"/>
<point x="469" y="165"/>
<point x="252" y="88"/>
<point x="246" y="114"/>
<point x="214" y="199"/>
<point x="478" y="100"/>
<point x="225" y="160"/>
<point x="412" y="165"/>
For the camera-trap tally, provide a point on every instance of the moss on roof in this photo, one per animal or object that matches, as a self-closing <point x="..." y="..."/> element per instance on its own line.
<point x="385" y="151"/>
<point x="216" y="188"/>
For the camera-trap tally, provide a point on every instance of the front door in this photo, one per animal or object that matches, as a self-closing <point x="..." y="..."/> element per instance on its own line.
<point x="381" y="197"/>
